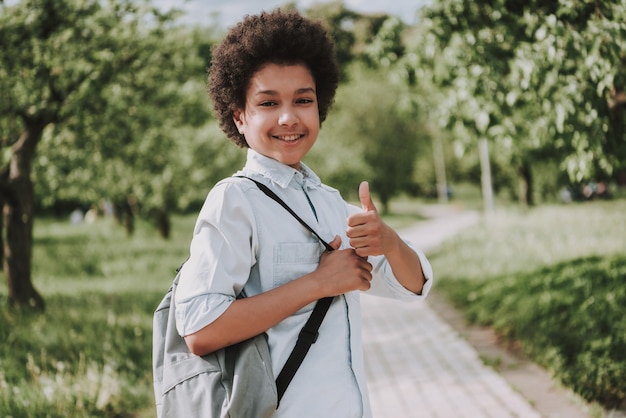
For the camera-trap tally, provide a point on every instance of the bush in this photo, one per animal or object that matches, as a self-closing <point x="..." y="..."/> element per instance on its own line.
<point x="570" y="318"/>
<point x="554" y="285"/>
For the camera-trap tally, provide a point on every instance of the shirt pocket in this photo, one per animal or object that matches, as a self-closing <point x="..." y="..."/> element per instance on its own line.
<point x="294" y="260"/>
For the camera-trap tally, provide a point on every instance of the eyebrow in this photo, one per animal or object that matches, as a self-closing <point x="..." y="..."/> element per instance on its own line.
<point x="274" y="92"/>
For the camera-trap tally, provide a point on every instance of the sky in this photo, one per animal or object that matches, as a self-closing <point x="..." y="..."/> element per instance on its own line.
<point x="229" y="12"/>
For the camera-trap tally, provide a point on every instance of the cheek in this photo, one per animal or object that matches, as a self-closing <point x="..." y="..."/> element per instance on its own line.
<point x="313" y="118"/>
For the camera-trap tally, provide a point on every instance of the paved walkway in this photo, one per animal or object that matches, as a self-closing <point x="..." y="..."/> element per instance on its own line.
<point x="418" y="365"/>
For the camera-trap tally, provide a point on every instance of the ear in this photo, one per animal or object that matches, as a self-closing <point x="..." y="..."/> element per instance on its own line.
<point x="239" y="120"/>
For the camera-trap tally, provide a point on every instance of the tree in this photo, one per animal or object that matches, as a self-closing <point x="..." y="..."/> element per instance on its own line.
<point x="376" y="120"/>
<point x="571" y="77"/>
<point x="57" y="58"/>
<point x="536" y="80"/>
<point x="463" y="51"/>
<point x="135" y="151"/>
<point x="338" y="19"/>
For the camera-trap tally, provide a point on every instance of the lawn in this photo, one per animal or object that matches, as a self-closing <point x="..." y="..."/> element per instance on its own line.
<point x="89" y="354"/>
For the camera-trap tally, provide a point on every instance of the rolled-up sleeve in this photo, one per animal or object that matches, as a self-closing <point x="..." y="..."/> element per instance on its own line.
<point x="386" y="284"/>
<point x="221" y="255"/>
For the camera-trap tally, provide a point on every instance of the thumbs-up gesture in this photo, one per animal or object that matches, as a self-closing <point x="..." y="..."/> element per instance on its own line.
<point x="368" y="234"/>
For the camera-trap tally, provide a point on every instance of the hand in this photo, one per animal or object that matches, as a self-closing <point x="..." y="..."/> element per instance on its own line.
<point x="342" y="271"/>
<point x="368" y="234"/>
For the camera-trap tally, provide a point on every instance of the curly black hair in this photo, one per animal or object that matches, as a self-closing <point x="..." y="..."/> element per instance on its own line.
<point x="278" y="37"/>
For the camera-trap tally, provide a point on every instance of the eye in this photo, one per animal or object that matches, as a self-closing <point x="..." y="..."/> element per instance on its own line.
<point x="268" y="103"/>
<point x="304" y="100"/>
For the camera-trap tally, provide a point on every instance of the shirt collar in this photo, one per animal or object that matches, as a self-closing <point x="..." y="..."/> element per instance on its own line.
<point x="279" y="173"/>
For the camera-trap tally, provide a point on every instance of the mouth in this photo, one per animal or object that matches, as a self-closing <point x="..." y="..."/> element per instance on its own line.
<point x="289" y="138"/>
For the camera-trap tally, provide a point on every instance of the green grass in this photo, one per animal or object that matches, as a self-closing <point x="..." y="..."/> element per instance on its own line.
<point x="89" y="354"/>
<point x="552" y="279"/>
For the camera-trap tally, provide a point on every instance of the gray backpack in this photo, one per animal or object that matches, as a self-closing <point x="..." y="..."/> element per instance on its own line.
<point x="236" y="381"/>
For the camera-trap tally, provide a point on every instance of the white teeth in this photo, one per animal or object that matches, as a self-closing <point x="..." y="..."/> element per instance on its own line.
<point x="289" y="137"/>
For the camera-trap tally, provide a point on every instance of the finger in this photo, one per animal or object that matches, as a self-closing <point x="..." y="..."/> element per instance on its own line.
<point x="336" y="242"/>
<point x="358" y="242"/>
<point x="367" y="275"/>
<point x="365" y="197"/>
<point x="363" y="252"/>
<point x="368" y="267"/>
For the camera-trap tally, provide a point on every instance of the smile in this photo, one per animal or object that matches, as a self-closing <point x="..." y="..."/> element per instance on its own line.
<point x="289" y="138"/>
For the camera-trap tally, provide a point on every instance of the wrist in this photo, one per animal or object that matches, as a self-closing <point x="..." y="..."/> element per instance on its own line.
<point x="311" y="287"/>
<point x="395" y="247"/>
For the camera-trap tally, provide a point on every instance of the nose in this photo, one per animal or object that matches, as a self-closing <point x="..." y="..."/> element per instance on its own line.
<point x="288" y="116"/>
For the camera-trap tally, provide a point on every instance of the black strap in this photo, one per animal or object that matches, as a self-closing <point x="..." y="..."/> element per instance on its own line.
<point x="309" y="333"/>
<point x="273" y="195"/>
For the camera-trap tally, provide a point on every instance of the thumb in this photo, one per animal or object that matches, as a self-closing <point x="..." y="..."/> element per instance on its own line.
<point x="365" y="197"/>
<point x="336" y="242"/>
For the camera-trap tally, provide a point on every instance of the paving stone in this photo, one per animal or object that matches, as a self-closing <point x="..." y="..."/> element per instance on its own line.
<point x="417" y="364"/>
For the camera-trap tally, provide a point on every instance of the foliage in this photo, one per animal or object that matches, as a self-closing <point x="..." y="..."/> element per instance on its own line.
<point x="460" y="52"/>
<point x="551" y="279"/>
<point x="571" y="76"/>
<point x="541" y="80"/>
<point x="204" y="156"/>
<point x="337" y="17"/>
<point x="352" y="32"/>
<point x="569" y="317"/>
<point x="140" y="143"/>
<point x="58" y="59"/>
<point x="373" y="123"/>
<point x="111" y="96"/>
<point x="160" y="144"/>
<point x="500" y="69"/>
<point x="387" y="46"/>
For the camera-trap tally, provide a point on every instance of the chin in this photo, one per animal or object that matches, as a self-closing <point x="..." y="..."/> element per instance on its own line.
<point x="291" y="163"/>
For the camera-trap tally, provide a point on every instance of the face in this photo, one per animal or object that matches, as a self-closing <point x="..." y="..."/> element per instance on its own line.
<point x="280" y="119"/>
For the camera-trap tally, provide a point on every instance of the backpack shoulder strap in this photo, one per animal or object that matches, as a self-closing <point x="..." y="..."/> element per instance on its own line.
<point x="309" y="333"/>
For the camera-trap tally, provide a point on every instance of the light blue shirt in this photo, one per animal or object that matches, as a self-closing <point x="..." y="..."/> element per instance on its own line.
<point x="244" y="238"/>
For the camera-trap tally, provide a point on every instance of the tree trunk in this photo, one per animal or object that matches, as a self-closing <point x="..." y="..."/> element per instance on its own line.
<point x="526" y="184"/>
<point x="485" y="176"/>
<point x="440" y="169"/>
<point x="384" y="202"/>
<point x="2" y="199"/>
<point x="131" y="210"/>
<point x="163" y="223"/>
<point x="18" y="221"/>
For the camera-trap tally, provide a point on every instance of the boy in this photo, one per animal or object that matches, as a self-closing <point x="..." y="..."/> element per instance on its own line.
<point x="272" y="80"/>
